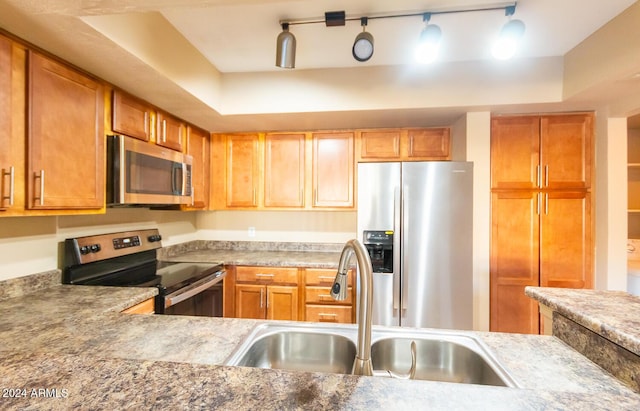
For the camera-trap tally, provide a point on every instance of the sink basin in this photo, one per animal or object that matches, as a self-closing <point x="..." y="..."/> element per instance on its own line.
<point x="300" y="350"/>
<point x="447" y="356"/>
<point x="436" y="360"/>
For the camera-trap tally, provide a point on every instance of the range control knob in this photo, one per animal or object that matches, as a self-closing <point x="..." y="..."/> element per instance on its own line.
<point x="154" y="238"/>
<point x="95" y="248"/>
<point x="84" y="250"/>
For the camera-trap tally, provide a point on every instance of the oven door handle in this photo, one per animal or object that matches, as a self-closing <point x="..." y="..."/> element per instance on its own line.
<point x="195" y="288"/>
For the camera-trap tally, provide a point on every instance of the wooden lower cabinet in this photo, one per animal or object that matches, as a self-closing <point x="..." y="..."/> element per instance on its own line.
<point x="145" y="307"/>
<point x="537" y="239"/>
<point x="266" y="293"/>
<point x="286" y="293"/>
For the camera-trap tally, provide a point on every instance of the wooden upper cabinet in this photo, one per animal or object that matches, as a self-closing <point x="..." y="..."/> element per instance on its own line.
<point x="333" y="169"/>
<point x="404" y="144"/>
<point x="171" y="131"/>
<point x="380" y="145"/>
<point x="198" y="142"/>
<point x="428" y="144"/>
<point x="548" y="152"/>
<point x="131" y="116"/>
<point x="11" y="145"/>
<point x="242" y="170"/>
<point x="515" y="152"/>
<point x="66" y="154"/>
<point x="284" y="170"/>
<point x="566" y="150"/>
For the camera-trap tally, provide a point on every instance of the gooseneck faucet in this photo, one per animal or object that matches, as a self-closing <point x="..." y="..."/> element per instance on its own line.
<point x="362" y="364"/>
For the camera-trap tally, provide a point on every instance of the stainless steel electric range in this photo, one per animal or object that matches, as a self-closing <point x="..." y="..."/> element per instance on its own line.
<point x="129" y="259"/>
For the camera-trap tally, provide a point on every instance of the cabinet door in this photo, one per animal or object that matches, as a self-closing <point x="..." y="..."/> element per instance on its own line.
<point x="427" y="144"/>
<point x="514" y="261"/>
<point x="333" y="169"/>
<point x="282" y="303"/>
<point x="565" y="157"/>
<point x="243" y="170"/>
<point x="11" y="130"/>
<point x="566" y="241"/>
<point x="170" y="132"/>
<point x="284" y="170"/>
<point x="378" y="145"/>
<point x="515" y="152"/>
<point x="250" y="301"/>
<point x="131" y="116"/>
<point x="66" y="155"/>
<point x="198" y="148"/>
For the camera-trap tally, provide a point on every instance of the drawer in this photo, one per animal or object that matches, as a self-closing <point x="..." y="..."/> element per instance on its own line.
<point x="324" y="276"/>
<point x="329" y="313"/>
<point x="321" y="295"/>
<point x="267" y="275"/>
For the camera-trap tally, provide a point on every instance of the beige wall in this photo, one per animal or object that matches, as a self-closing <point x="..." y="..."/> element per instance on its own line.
<point x="30" y="245"/>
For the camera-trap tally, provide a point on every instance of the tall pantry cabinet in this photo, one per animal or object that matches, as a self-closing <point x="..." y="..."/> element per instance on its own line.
<point x="541" y="212"/>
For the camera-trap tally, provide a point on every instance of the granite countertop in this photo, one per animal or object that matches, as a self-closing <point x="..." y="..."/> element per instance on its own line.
<point x="615" y="315"/>
<point x="247" y="253"/>
<point x="66" y="347"/>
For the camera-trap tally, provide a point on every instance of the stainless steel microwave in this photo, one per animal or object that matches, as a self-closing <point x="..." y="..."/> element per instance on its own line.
<point x="144" y="174"/>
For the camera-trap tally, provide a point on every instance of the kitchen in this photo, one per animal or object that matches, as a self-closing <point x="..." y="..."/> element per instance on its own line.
<point x="29" y="245"/>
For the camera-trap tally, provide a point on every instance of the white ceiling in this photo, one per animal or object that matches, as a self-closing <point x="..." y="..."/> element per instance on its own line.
<point x="237" y="37"/>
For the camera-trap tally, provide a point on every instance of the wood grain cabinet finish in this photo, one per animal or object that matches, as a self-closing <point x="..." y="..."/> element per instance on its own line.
<point x="12" y="118"/>
<point x="266" y="293"/>
<point x="319" y="305"/>
<point x="333" y="169"/>
<point x="145" y="307"/>
<point x="404" y="144"/>
<point x="131" y="116"/>
<point x="284" y="170"/>
<point x="542" y="152"/>
<point x="242" y="170"/>
<point x="170" y="131"/>
<point x="198" y="147"/>
<point x="66" y="156"/>
<point x="541" y="214"/>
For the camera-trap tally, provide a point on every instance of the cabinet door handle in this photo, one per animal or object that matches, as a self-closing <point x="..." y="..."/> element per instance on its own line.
<point x="261" y="297"/>
<point x="538" y="176"/>
<point x="41" y="177"/>
<point x="539" y="199"/>
<point x="11" y="173"/>
<point x="164" y="131"/>
<point x="146" y="123"/>
<point x="267" y="294"/>
<point x="546" y="204"/>
<point x="546" y="175"/>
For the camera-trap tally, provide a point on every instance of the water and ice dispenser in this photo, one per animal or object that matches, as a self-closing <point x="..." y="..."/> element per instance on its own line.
<point x="379" y="244"/>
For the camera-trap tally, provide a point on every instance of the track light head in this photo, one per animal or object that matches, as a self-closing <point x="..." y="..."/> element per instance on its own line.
<point x="508" y="40"/>
<point x="286" y="48"/>
<point x="429" y="43"/>
<point x="362" y="49"/>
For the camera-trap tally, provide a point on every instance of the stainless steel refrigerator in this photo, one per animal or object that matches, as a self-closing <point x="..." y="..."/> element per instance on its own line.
<point x="415" y="218"/>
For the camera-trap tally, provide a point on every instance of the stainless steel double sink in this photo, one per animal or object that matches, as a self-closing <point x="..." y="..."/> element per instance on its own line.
<point x="448" y="356"/>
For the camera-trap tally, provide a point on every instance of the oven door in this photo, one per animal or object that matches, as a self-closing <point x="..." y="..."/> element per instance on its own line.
<point x="201" y="298"/>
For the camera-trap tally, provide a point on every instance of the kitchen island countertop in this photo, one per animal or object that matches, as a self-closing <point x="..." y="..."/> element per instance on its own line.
<point x="67" y="347"/>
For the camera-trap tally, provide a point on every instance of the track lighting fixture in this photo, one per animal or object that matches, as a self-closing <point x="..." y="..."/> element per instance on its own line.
<point x="286" y="48"/>
<point x="509" y="39"/>
<point x="429" y="43"/>
<point x="362" y="49"/>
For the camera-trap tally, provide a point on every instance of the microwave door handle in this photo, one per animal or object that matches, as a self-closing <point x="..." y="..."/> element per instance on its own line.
<point x="176" y="177"/>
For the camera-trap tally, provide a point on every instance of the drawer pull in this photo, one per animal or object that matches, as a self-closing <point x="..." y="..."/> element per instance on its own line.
<point x="323" y="278"/>
<point x="259" y="275"/>
<point x="325" y="296"/>
<point x="327" y="317"/>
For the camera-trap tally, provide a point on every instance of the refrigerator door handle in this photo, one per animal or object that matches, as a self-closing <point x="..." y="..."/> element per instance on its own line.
<point x="405" y="218"/>
<point x="396" y="252"/>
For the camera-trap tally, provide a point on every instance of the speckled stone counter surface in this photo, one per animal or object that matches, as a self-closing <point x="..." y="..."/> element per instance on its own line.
<point x="254" y="253"/>
<point x="615" y="315"/>
<point x="69" y="347"/>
